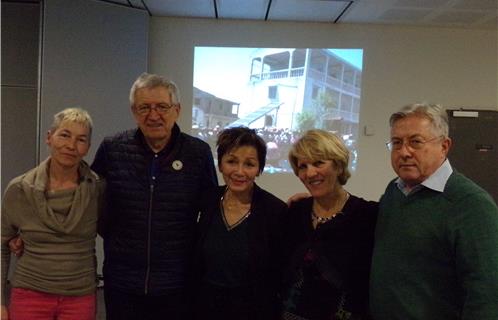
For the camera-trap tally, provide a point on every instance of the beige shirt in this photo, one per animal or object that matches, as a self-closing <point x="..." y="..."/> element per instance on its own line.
<point x="59" y="254"/>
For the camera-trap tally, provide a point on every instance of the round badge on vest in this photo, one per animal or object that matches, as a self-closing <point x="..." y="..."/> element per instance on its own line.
<point x="177" y="165"/>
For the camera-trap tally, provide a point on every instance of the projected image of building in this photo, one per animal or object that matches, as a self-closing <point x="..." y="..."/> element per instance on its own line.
<point x="210" y="111"/>
<point x="302" y="89"/>
<point x="286" y="91"/>
<point x="210" y="114"/>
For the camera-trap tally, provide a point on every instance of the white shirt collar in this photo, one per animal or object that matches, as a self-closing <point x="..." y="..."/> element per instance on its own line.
<point x="436" y="181"/>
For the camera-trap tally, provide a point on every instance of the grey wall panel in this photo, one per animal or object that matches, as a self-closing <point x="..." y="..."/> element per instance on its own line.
<point x="18" y="131"/>
<point x="20" y="42"/>
<point x="92" y="53"/>
<point x="20" y="37"/>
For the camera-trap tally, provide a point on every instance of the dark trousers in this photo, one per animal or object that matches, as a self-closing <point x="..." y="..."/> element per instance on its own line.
<point x="221" y="303"/>
<point x="124" y="306"/>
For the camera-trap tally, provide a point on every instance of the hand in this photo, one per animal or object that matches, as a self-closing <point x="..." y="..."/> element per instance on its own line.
<point x="296" y="197"/>
<point x="4" y="313"/>
<point x="16" y="246"/>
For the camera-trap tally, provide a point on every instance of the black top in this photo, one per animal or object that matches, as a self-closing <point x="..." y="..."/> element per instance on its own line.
<point x="226" y="254"/>
<point x="329" y="266"/>
<point x="264" y="244"/>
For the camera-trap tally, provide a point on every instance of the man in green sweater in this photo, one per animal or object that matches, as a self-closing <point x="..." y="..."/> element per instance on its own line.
<point x="436" y="242"/>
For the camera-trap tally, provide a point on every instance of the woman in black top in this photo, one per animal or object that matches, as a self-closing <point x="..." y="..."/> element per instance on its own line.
<point x="239" y="251"/>
<point x="329" y="236"/>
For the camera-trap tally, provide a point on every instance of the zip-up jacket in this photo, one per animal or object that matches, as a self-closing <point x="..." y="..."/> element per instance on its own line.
<point x="152" y="205"/>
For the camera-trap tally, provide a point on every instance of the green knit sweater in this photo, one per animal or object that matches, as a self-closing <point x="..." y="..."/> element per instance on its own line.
<point x="59" y="255"/>
<point x="436" y="254"/>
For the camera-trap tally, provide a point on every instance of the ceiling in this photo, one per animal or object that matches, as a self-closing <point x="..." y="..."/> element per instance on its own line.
<point x="444" y="13"/>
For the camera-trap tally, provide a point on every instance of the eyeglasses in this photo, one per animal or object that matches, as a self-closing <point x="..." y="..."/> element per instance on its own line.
<point x="161" y="108"/>
<point x="412" y="143"/>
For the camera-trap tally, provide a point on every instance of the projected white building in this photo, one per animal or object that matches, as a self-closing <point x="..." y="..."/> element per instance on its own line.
<point x="209" y="111"/>
<point x="281" y="92"/>
<point x="301" y="89"/>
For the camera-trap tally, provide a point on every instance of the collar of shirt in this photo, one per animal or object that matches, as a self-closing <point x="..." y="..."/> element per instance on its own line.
<point x="436" y="181"/>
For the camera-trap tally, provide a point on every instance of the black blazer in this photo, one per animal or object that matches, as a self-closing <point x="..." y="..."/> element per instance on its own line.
<point x="265" y="236"/>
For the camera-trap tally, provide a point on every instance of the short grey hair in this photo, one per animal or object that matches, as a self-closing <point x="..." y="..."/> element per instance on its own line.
<point x="148" y="80"/>
<point x="76" y="115"/>
<point x="434" y="112"/>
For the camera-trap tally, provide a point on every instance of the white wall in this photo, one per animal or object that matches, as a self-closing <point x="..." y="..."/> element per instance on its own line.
<point x="453" y="67"/>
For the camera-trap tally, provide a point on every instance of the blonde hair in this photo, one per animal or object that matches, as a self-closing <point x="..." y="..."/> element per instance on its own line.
<point x="76" y="115"/>
<point x="316" y="145"/>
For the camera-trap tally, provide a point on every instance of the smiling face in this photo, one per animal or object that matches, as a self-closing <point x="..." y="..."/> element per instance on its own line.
<point x="239" y="168"/>
<point x="155" y="126"/>
<point x="69" y="143"/>
<point x="415" y="166"/>
<point x="319" y="177"/>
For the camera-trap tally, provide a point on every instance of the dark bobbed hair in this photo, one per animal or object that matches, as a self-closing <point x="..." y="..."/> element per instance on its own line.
<point x="236" y="137"/>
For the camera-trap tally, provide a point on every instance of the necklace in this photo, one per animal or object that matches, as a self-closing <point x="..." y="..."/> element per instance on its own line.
<point x="223" y="214"/>
<point x="323" y="219"/>
<point x="320" y="220"/>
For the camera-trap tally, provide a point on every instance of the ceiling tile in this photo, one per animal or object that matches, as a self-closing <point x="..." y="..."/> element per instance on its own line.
<point x="306" y="10"/>
<point x="230" y="9"/>
<point x="124" y="2"/>
<point x="460" y="13"/>
<point x="421" y="3"/>
<point x="492" y="23"/>
<point x="181" y="8"/>
<point x="476" y="4"/>
<point x="135" y="3"/>
<point x="406" y="15"/>
<point x="458" y="17"/>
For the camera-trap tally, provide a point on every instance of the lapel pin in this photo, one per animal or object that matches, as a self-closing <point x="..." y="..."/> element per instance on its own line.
<point x="177" y="165"/>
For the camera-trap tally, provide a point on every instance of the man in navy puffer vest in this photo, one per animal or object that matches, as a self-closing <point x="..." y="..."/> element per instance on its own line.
<point x="155" y="174"/>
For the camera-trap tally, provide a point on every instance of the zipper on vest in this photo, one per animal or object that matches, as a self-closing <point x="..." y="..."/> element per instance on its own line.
<point x="149" y="225"/>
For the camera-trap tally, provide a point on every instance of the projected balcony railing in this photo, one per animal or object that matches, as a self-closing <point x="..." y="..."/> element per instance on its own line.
<point x="316" y="74"/>
<point x="337" y="83"/>
<point x="297" y="72"/>
<point x="279" y="74"/>
<point x="351" y="89"/>
<point x="275" y="75"/>
<point x="334" y="82"/>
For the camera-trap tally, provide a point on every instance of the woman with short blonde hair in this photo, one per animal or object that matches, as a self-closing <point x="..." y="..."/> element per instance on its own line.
<point x="329" y="236"/>
<point x="54" y="208"/>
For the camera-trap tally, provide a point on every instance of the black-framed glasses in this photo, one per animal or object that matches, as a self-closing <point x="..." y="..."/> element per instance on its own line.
<point x="413" y="143"/>
<point x="161" y="108"/>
